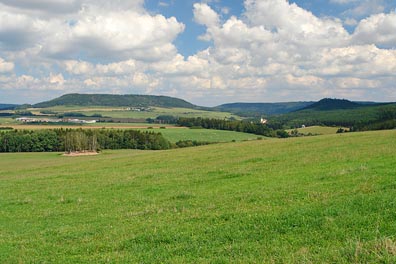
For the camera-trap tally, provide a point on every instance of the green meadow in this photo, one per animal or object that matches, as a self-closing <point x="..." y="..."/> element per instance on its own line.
<point x="122" y="112"/>
<point x="203" y="135"/>
<point x="316" y="130"/>
<point x="325" y="199"/>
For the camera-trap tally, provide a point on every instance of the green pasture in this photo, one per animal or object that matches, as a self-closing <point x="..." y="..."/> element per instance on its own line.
<point x="326" y="199"/>
<point x="316" y="130"/>
<point x="171" y="133"/>
<point x="7" y="121"/>
<point x="121" y="112"/>
<point x="203" y="135"/>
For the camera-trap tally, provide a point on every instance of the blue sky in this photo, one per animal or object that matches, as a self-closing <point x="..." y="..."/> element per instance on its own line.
<point x="183" y="11"/>
<point x="207" y="52"/>
<point x="188" y="42"/>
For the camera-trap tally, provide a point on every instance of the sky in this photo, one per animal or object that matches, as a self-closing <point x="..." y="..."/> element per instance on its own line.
<point x="206" y="52"/>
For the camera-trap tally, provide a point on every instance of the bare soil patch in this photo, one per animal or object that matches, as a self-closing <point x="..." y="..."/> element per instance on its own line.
<point x="83" y="153"/>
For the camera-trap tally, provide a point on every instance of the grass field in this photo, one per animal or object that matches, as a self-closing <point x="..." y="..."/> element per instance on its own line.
<point x="207" y="135"/>
<point x="171" y="133"/>
<point x="326" y="199"/>
<point x="85" y="126"/>
<point x="317" y="130"/>
<point x="7" y="121"/>
<point x="121" y="112"/>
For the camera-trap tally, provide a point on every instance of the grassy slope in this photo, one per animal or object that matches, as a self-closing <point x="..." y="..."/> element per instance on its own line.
<point x="321" y="130"/>
<point x="119" y="112"/>
<point x="315" y="199"/>
<point x="171" y="133"/>
<point x="208" y="135"/>
<point x="364" y="114"/>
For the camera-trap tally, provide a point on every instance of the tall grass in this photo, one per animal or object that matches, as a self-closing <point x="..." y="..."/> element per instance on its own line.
<point x="327" y="199"/>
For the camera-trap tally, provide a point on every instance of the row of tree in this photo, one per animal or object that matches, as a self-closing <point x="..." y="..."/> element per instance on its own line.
<point x="70" y="140"/>
<point x="232" y="125"/>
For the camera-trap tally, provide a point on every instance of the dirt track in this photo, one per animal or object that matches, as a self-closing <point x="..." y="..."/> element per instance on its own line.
<point x="76" y="154"/>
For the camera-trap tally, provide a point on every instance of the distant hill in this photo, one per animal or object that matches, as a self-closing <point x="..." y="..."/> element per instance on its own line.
<point x="332" y="104"/>
<point x="116" y="100"/>
<point x="336" y="112"/>
<point x="254" y="109"/>
<point x="7" y="106"/>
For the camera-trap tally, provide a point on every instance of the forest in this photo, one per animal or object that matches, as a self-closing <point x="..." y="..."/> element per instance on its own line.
<point x="72" y="140"/>
<point x="232" y="125"/>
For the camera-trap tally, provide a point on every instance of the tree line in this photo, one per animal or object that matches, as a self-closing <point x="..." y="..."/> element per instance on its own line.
<point x="70" y="140"/>
<point x="232" y="125"/>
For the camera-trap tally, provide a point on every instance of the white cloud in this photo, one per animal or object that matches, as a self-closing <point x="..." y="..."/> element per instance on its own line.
<point x="99" y="30"/>
<point x="295" y="24"/>
<point x="363" y="8"/>
<point x="350" y="22"/>
<point x="5" y="66"/>
<point x="205" y="15"/>
<point x="44" y="6"/>
<point x="293" y="51"/>
<point x="56" y="79"/>
<point x="378" y="29"/>
<point x="356" y="61"/>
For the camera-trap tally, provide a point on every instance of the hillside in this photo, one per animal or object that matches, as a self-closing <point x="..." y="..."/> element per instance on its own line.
<point x="7" y="106"/>
<point x="361" y="117"/>
<point x="115" y="100"/>
<point x="258" y="109"/>
<point x="327" y="104"/>
<point x="269" y="201"/>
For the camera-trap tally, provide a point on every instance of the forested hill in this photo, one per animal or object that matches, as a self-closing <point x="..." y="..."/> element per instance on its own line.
<point x="333" y="104"/>
<point x="251" y="109"/>
<point x="7" y="106"/>
<point x="129" y="100"/>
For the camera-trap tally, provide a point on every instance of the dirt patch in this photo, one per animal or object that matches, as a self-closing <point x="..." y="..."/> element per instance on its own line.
<point x="77" y="154"/>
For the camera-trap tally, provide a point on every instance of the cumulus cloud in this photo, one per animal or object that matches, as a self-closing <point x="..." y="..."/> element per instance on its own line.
<point x="289" y="50"/>
<point x="378" y="29"/>
<point x="43" y="6"/>
<point x="97" y="30"/>
<point x="366" y="7"/>
<point x="56" y="79"/>
<point x="205" y="15"/>
<point x="5" y="66"/>
<point x="18" y="31"/>
<point x="111" y="35"/>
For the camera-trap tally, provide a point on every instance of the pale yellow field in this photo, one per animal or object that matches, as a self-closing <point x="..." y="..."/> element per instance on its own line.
<point x="317" y="130"/>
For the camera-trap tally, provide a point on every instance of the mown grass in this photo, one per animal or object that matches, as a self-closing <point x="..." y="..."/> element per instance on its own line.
<point x="317" y="130"/>
<point x="203" y="135"/>
<point x="121" y="112"/>
<point x="171" y="133"/>
<point x="7" y="121"/>
<point x="327" y="199"/>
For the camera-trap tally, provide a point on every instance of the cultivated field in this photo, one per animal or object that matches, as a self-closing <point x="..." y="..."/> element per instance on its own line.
<point x="121" y="112"/>
<point x="326" y="199"/>
<point x="316" y="130"/>
<point x="171" y="133"/>
<point x="203" y="135"/>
